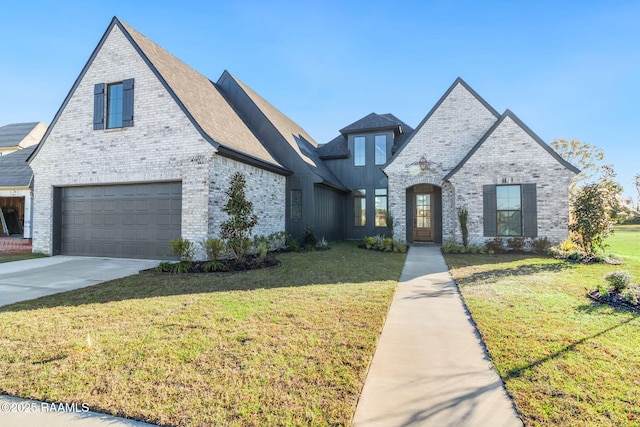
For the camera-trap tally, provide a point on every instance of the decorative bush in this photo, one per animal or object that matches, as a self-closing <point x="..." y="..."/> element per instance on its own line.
<point x="183" y="249"/>
<point x="541" y="245"/>
<point x="213" y="247"/>
<point x="567" y="245"/>
<point x="322" y="245"/>
<point x="515" y="243"/>
<point x="619" y="280"/>
<point x="496" y="245"/>
<point x="389" y="220"/>
<point x="387" y="244"/>
<point x="309" y="237"/>
<point x="631" y="296"/>
<point x="463" y="215"/>
<point x="399" y="246"/>
<point x="369" y="242"/>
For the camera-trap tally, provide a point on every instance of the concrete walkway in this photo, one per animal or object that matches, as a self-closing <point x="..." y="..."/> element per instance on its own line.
<point x="430" y="367"/>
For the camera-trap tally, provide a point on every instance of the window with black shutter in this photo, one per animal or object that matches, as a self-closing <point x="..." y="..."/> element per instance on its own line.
<point x="113" y="105"/>
<point x="510" y="210"/>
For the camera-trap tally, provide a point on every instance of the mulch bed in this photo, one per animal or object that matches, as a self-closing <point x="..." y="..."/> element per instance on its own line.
<point x="614" y="299"/>
<point x="226" y="266"/>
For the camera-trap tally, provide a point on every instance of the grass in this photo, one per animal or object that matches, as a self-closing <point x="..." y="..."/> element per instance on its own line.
<point x="19" y="257"/>
<point x="565" y="359"/>
<point x="281" y="346"/>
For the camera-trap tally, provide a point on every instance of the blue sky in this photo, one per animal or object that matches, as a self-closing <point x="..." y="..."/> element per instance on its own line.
<point x="568" y="69"/>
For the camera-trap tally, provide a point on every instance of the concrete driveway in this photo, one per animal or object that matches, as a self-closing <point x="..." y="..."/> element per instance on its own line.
<point x="34" y="278"/>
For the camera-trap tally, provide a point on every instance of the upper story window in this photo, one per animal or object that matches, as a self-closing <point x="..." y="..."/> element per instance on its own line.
<point x="113" y="105"/>
<point x="359" y="151"/>
<point x="381" y="149"/>
<point x="509" y="210"/>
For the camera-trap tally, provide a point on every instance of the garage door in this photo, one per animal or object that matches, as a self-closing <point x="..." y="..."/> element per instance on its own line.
<point x="125" y="221"/>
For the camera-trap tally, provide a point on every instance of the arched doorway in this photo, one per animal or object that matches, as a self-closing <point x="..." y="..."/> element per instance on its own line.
<point x="424" y="213"/>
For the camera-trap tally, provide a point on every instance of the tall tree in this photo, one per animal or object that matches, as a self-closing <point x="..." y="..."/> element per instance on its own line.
<point x="587" y="157"/>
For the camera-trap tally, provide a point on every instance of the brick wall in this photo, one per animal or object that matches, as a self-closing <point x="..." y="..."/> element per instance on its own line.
<point x="451" y="131"/>
<point x="512" y="156"/>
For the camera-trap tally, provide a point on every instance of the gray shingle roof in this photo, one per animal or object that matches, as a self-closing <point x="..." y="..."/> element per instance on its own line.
<point x="299" y="140"/>
<point x="13" y="134"/>
<point x="14" y="169"/>
<point x="334" y="149"/>
<point x="338" y="148"/>
<point x="202" y="100"/>
<point x="371" y="122"/>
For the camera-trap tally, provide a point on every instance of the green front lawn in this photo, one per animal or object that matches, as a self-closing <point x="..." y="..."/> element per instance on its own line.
<point x="565" y="359"/>
<point x="19" y="257"/>
<point x="280" y="346"/>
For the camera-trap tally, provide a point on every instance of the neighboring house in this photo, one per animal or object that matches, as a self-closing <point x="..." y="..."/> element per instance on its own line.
<point x="142" y="149"/>
<point x="18" y="136"/>
<point x="16" y="193"/>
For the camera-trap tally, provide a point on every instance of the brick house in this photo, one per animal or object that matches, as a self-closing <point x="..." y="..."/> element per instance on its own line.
<point x="143" y="146"/>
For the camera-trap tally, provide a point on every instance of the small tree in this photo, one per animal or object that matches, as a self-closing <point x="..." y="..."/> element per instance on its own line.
<point x="389" y="220"/>
<point x="463" y="215"/>
<point x="591" y="220"/>
<point x="237" y="228"/>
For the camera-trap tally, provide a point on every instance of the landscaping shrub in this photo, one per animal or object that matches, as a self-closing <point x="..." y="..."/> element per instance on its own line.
<point x="515" y="243"/>
<point x="541" y="245"/>
<point x="389" y="220"/>
<point x="631" y="296"/>
<point x="277" y="241"/>
<point x="619" y="280"/>
<point x="309" y="238"/>
<point x="387" y="244"/>
<point x="399" y="246"/>
<point x="463" y="215"/>
<point x="567" y="245"/>
<point x="183" y="249"/>
<point x="213" y="247"/>
<point x="322" y="245"/>
<point x="369" y="242"/>
<point x="164" y="266"/>
<point x="496" y="245"/>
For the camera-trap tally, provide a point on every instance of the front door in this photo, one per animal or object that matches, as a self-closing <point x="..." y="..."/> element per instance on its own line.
<point x="423" y="221"/>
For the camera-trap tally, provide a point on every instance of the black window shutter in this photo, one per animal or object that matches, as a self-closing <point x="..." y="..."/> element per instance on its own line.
<point x="127" y="103"/>
<point x="98" y="106"/>
<point x="489" y="210"/>
<point x="529" y="211"/>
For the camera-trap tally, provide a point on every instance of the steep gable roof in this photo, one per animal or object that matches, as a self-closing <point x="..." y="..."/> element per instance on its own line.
<point x="508" y="113"/>
<point x="198" y="97"/>
<point x="458" y="81"/>
<point x="293" y="134"/>
<point x="14" y="134"/>
<point x="14" y="169"/>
